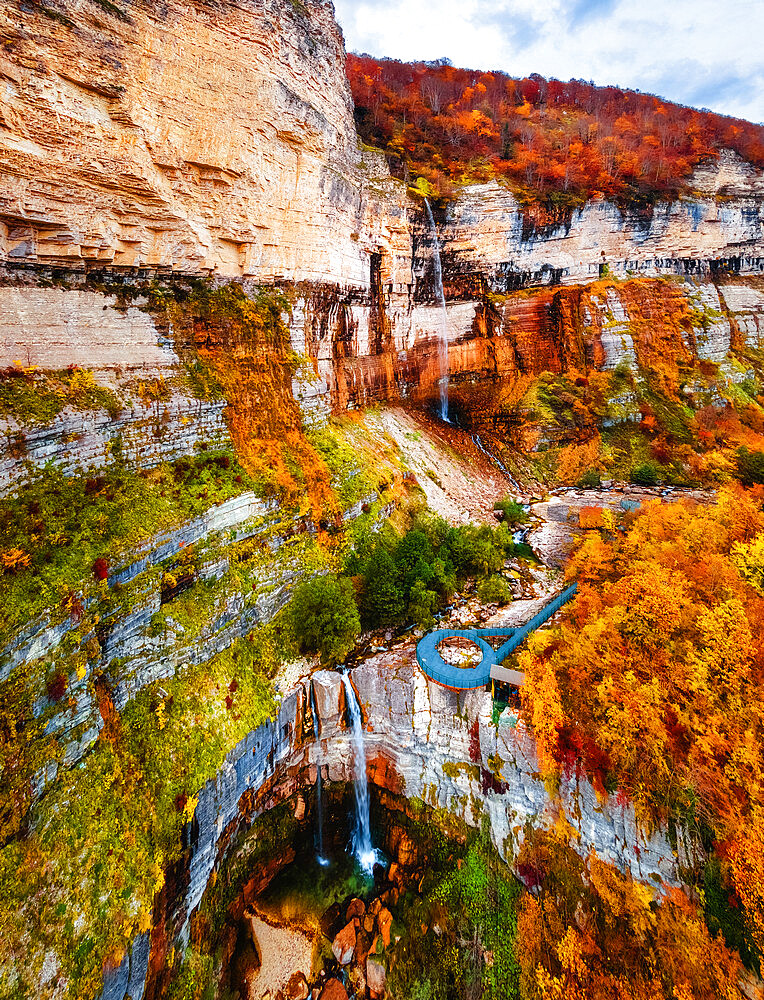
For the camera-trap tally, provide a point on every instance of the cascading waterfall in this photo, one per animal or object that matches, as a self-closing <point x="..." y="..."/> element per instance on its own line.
<point x="364" y="852"/>
<point x="322" y="860"/>
<point x="443" y="341"/>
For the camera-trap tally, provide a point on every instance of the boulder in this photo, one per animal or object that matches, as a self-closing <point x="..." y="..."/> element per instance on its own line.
<point x="384" y="922"/>
<point x="297" y="987"/>
<point x="330" y="920"/>
<point x="334" y="990"/>
<point x="356" y="908"/>
<point x="362" y="946"/>
<point x="376" y="978"/>
<point x="343" y="946"/>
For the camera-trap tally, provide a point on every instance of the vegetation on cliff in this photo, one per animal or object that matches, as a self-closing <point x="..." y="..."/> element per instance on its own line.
<point x="62" y="536"/>
<point x="81" y="882"/>
<point x="390" y="577"/>
<point x="33" y="396"/>
<point x="662" y="414"/>
<point x="244" y="342"/>
<point x="459" y="924"/>
<point x="555" y="144"/>
<point x="325" y="617"/>
<point x="654" y="682"/>
<point x="588" y="931"/>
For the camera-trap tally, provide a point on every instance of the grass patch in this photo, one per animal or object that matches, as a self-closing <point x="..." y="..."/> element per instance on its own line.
<point x="63" y="534"/>
<point x="34" y="397"/>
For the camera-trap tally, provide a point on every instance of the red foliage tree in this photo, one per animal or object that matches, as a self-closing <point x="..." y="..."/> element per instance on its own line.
<point x="556" y="144"/>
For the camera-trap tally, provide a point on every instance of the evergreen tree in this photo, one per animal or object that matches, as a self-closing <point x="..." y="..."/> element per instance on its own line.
<point x="382" y="601"/>
<point x="325" y="617"/>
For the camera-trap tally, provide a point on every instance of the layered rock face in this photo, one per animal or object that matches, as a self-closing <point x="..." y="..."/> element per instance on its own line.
<point x="220" y="141"/>
<point x="483" y="233"/>
<point x="422" y="741"/>
<point x="192" y="138"/>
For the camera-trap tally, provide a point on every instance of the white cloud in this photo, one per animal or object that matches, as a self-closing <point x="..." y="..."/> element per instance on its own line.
<point x="699" y="52"/>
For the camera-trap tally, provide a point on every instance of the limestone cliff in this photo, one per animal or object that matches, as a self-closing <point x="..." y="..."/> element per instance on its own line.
<point x="203" y="137"/>
<point x="151" y="155"/>
<point x="219" y="140"/>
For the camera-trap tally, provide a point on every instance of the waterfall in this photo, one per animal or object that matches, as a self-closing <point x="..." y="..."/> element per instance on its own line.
<point x="323" y="861"/>
<point x="443" y="342"/>
<point x="364" y="852"/>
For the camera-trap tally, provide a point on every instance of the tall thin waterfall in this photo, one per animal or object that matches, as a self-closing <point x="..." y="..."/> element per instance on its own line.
<point x="323" y="861"/>
<point x="362" y="848"/>
<point x="443" y="341"/>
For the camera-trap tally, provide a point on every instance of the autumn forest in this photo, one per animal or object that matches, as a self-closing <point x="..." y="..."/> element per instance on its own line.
<point x="555" y="144"/>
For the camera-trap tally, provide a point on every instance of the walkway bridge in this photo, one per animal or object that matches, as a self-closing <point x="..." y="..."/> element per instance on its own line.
<point x="489" y="668"/>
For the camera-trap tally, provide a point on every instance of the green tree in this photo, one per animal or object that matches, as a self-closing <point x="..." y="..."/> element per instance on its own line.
<point x="382" y="600"/>
<point x="413" y="547"/>
<point x="325" y="617"/>
<point x="459" y="544"/>
<point x="422" y="605"/>
<point x="645" y="475"/>
<point x="486" y="557"/>
<point x="494" y="590"/>
<point x="750" y="466"/>
<point x="444" y="577"/>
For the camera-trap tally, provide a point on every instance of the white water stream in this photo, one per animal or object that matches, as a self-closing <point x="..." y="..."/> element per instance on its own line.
<point x="443" y="340"/>
<point x="364" y="852"/>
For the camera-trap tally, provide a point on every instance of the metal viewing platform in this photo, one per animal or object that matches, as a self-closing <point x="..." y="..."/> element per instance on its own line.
<point x="490" y="668"/>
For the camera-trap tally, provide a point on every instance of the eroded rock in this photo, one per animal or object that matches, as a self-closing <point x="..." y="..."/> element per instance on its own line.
<point x="343" y="945"/>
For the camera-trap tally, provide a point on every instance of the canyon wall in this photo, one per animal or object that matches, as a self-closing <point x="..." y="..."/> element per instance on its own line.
<point x="150" y="156"/>
<point x="202" y="137"/>
<point x="422" y="741"/>
<point x="218" y="140"/>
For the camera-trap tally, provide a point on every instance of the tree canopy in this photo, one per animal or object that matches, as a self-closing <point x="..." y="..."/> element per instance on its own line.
<point x="556" y="144"/>
<point x="654" y="682"/>
<point x="325" y="617"/>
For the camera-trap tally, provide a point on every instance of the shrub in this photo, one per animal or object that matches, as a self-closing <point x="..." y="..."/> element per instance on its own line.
<point x="590" y="517"/>
<point x="511" y="511"/>
<point x="100" y="568"/>
<point x="494" y="590"/>
<point x="590" y="480"/>
<point x="750" y="466"/>
<point x="325" y="617"/>
<point x="645" y="475"/>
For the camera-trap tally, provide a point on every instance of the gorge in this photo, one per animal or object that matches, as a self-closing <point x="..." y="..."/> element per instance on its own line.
<point x="244" y="351"/>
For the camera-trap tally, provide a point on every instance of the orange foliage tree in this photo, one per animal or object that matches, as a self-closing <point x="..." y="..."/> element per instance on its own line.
<point x="655" y="679"/>
<point x="588" y="932"/>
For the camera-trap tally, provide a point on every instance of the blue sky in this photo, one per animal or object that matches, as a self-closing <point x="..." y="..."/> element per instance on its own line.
<point x="705" y="53"/>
